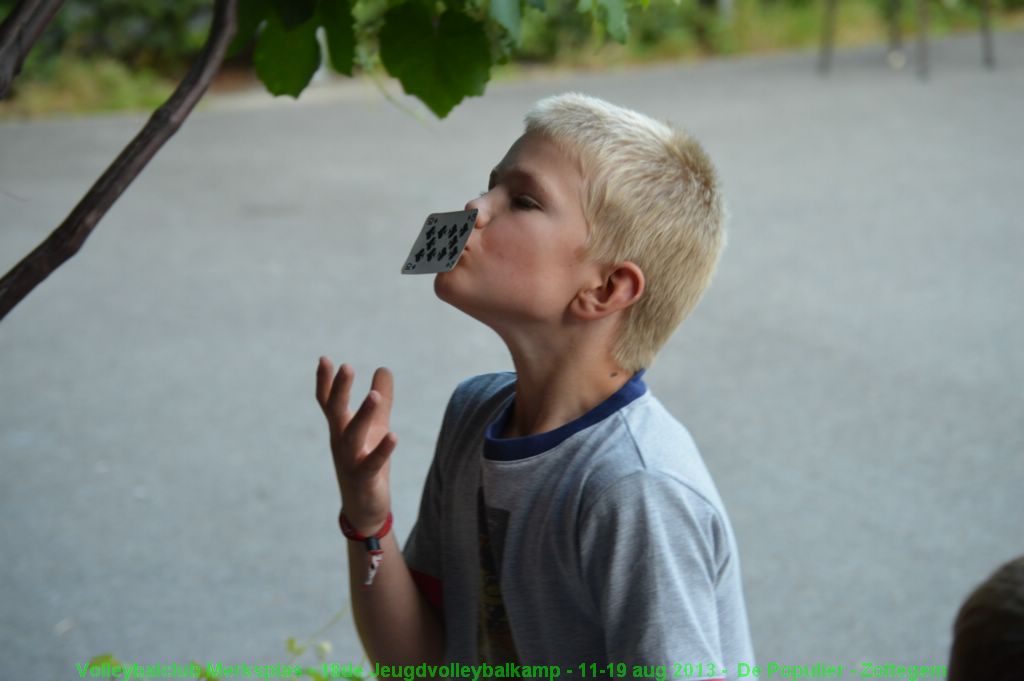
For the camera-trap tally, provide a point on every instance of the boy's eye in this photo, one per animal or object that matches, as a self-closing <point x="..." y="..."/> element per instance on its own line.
<point x="518" y="201"/>
<point x="524" y="202"/>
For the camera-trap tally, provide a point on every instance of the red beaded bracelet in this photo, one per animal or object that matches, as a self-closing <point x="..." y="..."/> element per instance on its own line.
<point x="374" y="552"/>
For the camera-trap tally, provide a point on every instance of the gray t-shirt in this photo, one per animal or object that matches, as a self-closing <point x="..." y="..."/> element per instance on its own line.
<point x="601" y="541"/>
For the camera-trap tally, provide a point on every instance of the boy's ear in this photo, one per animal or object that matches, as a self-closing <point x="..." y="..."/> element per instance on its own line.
<point x="623" y="284"/>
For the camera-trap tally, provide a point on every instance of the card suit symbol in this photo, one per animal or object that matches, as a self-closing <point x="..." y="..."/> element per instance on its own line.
<point x="432" y="220"/>
<point x="465" y="228"/>
<point x="430" y="233"/>
<point x="419" y="255"/>
<point x="430" y="243"/>
<point x="443" y="230"/>
<point x="430" y="255"/>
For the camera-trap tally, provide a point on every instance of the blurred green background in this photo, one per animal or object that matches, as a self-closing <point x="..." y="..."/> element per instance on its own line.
<point x="127" y="54"/>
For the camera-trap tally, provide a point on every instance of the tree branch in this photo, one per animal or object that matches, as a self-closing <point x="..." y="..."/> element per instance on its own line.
<point x="19" y="32"/>
<point x="67" y="239"/>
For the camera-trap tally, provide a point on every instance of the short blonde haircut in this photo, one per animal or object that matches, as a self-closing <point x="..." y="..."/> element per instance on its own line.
<point x="650" y="196"/>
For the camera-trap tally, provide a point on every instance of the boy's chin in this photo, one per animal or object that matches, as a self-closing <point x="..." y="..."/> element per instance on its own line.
<point x="445" y="289"/>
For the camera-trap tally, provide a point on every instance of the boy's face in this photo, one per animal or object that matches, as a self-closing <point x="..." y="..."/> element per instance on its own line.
<point x="523" y="262"/>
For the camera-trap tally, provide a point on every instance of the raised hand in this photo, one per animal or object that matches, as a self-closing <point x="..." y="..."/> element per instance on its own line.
<point x="361" y="443"/>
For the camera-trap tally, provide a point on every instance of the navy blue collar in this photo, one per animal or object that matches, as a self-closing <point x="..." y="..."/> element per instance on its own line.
<point x="509" y="449"/>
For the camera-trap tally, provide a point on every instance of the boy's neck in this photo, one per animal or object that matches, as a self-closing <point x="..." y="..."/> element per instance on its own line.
<point x="555" y="393"/>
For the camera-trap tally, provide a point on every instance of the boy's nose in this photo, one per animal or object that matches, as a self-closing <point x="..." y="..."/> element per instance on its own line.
<point x="477" y="204"/>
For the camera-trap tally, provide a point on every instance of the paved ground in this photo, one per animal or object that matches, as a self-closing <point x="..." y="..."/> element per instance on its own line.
<point x="853" y="377"/>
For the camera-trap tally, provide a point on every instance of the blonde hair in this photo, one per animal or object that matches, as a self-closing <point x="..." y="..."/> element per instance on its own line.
<point x="650" y="195"/>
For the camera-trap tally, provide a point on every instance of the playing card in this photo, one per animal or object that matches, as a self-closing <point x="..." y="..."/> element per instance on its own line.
<point x="440" y="242"/>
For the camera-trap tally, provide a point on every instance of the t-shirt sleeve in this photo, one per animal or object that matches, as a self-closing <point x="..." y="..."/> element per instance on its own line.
<point x="422" y="552"/>
<point x="650" y="548"/>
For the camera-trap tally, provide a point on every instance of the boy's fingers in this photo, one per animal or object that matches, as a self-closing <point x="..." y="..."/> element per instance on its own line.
<point x="324" y="369"/>
<point x="337" y="402"/>
<point x="376" y="459"/>
<point x="359" y="425"/>
<point x="384" y="383"/>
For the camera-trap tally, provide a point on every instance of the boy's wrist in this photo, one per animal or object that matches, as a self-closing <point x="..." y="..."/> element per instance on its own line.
<point x="359" y="528"/>
<point x="374" y="552"/>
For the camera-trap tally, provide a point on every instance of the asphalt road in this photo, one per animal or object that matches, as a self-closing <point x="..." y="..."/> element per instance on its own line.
<point x="853" y="376"/>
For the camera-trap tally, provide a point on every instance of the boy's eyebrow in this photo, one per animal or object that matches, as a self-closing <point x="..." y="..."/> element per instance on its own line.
<point x="523" y="175"/>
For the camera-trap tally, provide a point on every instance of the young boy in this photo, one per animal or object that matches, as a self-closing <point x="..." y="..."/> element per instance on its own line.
<point x="567" y="518"/>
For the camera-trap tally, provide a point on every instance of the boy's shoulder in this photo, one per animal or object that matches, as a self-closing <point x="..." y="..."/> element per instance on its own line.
<point x="482" y="386"/>
<point x="634" y="447"/>
<point x="644" y="452"/>
<point x="479" y="397"/>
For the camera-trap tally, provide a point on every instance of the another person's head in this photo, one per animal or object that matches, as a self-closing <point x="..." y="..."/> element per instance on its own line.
<point x="988" y="634"/>
<point x="608" y="195"/>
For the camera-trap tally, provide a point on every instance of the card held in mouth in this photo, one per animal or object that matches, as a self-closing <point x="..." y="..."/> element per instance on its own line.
<point x="440" y="242"/>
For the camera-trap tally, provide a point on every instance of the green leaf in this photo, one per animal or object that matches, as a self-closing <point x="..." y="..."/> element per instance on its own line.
<point x="507" y="14"/>
<point x="442" y="61"/>
<point x="294" y="13"/>
<point x="206" y="675"/>
<point x="339" y="25"/>
<point x="609" y="15"/>
<point x="293" y="646"/>
<point x="615" y="18"/>
<point x="286" y="60"/>
<point x="204" y="672"/>
<point x="251" y="14"/>
<point x="106" y="658"/>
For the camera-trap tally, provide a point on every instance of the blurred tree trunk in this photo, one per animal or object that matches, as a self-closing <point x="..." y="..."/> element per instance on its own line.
<point x="18" y="33"/>
<point x="67" y="239"/>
